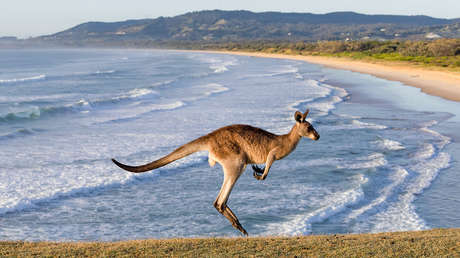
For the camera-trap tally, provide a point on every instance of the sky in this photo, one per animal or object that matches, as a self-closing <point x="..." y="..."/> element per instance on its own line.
<point x="30" y="18"/>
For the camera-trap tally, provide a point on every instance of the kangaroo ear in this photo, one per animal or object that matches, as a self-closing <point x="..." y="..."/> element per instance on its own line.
<point x="298" y="116"/>
<point x="305" y="114"/>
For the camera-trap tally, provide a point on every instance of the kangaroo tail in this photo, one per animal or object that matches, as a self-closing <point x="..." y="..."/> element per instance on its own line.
<point x="182" y="151"/>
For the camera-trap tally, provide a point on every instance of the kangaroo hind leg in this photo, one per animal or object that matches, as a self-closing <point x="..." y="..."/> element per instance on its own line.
<point x="231" y="174"/>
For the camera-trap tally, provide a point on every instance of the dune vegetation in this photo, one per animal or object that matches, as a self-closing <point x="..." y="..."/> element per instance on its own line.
<point x="435" y="53"/>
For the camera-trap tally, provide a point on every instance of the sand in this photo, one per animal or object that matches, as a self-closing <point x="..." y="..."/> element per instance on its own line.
<point x="445" y="84"/>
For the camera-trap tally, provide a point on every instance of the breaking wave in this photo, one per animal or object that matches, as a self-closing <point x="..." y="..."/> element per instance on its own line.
<point x="25" y="79"/>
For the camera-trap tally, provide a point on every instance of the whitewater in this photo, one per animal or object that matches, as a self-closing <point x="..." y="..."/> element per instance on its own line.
<point x="386" y="160"/>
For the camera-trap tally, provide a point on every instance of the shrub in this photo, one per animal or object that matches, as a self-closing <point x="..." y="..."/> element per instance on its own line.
<point x="447" y="47"/>
<point x="414" y="48"/>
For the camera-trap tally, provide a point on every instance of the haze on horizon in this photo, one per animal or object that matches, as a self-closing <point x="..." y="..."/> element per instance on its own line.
<point x="25" y="18"/>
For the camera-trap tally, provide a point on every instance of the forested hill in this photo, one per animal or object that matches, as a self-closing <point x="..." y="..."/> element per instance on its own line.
<point x="219" y="25"/>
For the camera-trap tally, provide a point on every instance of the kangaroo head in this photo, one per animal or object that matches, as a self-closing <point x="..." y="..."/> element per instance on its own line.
<point x="304" y="128"/>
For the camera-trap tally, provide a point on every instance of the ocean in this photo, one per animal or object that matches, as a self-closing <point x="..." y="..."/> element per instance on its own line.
<point x="387" y="159"/>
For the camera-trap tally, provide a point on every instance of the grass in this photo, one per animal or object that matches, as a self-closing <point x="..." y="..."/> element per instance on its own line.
<point x="431" y="243"/>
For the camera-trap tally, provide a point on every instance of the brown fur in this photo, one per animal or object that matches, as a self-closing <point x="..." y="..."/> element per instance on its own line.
<point x="234" y="147"/>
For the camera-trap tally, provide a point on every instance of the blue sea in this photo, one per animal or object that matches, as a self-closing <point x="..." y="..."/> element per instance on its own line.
<point x="387" y="159"/>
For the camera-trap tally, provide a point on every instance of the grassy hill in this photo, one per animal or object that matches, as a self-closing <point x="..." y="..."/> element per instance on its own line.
<point x="432" y="243"/>
<point x="224" y="26"/>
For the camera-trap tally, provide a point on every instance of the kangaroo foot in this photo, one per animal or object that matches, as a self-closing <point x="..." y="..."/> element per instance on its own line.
<point x="240" y="228"/>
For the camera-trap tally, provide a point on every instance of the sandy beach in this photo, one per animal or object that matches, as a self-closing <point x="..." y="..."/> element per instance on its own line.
<point x="444" y="84"/>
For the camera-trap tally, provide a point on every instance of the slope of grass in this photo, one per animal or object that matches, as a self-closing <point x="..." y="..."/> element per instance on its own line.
<point x="438" y="242"/>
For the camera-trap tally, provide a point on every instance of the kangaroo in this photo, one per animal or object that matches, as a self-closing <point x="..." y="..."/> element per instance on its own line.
<point x="234" y="147"/>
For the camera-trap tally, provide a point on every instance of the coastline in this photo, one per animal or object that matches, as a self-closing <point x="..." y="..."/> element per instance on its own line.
<point x="275" y="61"/>
<point x="443" y="84"/>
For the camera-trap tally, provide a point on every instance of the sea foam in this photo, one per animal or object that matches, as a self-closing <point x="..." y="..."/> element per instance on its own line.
<point x="25" y="79"/>
<point x="73" y="179"/>
<point x="333" y="204"/>
<point x="388" y="144"/>
<point x="398" y="176"/>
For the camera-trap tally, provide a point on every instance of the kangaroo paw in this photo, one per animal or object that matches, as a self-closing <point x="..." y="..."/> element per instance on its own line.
<point x="258" y="169"/>
<point x="258" y="172"/>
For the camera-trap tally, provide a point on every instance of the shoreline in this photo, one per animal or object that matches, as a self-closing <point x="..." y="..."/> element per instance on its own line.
<point x="443" y="84"/>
